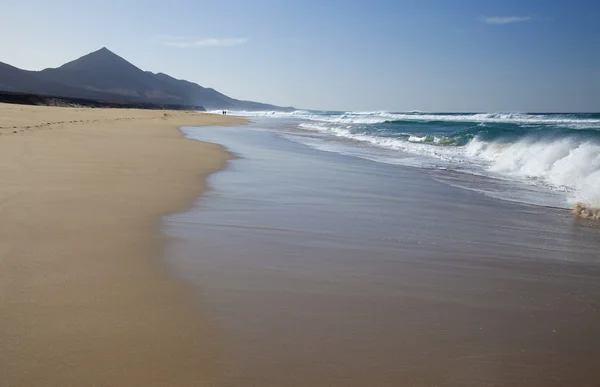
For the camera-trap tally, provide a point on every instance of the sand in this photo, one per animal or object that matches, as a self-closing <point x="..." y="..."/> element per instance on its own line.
<point x="84" y="297"/>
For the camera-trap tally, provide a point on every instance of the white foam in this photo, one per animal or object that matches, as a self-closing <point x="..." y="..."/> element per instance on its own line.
<point x="566" y="164"/>
<point x="376" y="117"/>
<point x="419" y="148"/>
<point x="417" y="139"/>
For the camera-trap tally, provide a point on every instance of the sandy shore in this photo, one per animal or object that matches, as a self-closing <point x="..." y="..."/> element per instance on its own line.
<point x="84" y="298"/>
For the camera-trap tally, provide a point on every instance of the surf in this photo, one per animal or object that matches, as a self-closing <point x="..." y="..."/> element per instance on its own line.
<point x="558" y="152"/>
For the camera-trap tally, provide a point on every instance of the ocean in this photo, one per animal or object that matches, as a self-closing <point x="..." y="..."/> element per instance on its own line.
<point x="544" y="159"/>
<point x="336" y="250"/>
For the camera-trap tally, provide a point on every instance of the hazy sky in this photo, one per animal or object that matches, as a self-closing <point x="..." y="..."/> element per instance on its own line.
<point x="446" y="55"/>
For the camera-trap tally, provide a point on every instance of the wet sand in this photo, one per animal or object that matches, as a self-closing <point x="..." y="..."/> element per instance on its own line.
<point x="328" y="270"/>
<point x="84" y="298"/>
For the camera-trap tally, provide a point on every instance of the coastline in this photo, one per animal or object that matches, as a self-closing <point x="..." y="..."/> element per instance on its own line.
<point x="324" y="269"/>
<point x="84" y="295"/>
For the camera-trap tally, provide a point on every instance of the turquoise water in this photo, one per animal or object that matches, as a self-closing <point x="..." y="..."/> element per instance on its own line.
<point x="547" y="159"/>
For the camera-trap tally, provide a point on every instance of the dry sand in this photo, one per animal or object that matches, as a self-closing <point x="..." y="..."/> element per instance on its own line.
<point x="84" y="298"/>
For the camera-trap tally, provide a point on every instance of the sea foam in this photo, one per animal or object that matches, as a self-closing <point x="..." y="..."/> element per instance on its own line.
<point x="377" y="117"/>
<point x="563" y="164"/>
<point x="557" y="152"/>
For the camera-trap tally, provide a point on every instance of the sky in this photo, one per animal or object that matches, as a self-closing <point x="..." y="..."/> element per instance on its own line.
<point x="445" y="55"/>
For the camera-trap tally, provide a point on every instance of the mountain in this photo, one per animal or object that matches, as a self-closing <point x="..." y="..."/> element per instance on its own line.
<point x="104" y="75"/>
<point x="17" y="80"/>
<point x="212" y="99"/>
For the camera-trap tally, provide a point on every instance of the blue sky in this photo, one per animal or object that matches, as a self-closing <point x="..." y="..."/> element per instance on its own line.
<point x="344" y="55"/>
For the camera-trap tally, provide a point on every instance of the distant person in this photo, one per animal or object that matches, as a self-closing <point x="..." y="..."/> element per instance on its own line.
<point x="224" y="112"/>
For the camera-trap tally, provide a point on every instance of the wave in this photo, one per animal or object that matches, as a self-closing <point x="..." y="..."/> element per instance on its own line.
<point x="435" y="140"/>
<point x="568" y="164"/>
<point x="572" y="121"/>
<point x="569" y="121"/>
<point x="558" y="152"/>
<point x="401" y="143"/>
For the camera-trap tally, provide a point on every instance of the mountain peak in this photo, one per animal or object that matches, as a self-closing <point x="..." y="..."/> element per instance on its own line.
<point x="103" y="50"/>
<point x="96" y="60"/>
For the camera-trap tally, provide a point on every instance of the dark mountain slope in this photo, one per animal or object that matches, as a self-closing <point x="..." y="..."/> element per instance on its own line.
<point x="106" y="72"/>
<point x="16" y="80"/>
<point x="104" y="75"/>
<point x="211" y="99"/>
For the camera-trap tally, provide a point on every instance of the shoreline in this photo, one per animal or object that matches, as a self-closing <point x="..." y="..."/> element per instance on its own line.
<point x="324" y="269"/>
<point x="85" y="296"/>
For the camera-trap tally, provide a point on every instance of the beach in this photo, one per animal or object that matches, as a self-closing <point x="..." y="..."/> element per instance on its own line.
<point x="84" y="295"/>
<point x="138" y="253"/>
<point x="286" y="194"/>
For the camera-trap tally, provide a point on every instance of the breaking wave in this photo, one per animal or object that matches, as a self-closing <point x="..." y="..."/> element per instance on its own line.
<point x="574" y="121"/>
<point x="559" y="152"/>
<point x="565" y="164"/>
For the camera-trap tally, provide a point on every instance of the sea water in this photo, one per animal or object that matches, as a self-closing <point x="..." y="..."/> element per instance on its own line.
<point x="343" y="268"/>
<point x="545" y="159"/>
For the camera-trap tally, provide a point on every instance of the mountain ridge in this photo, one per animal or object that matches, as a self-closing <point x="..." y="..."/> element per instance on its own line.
<point x="104" y="75"/>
